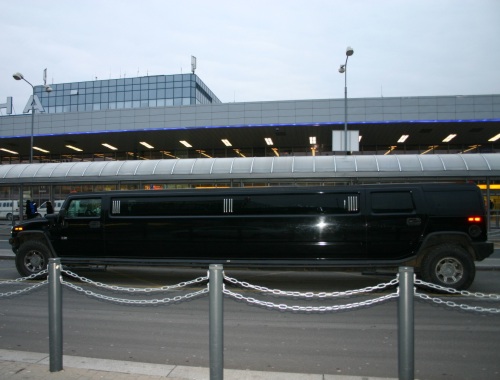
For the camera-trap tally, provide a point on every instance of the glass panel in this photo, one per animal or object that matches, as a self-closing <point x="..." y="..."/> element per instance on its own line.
<point x="84" y="208"/>
<point x="392" y="202"/>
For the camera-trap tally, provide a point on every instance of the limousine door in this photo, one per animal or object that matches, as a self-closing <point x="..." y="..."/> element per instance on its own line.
<point x="314" y="227"/>
<point x="81" y="233"/>
<point x="394" y="225"/>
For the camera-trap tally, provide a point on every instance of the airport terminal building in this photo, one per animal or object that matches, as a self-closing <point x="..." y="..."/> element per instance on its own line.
<point x="178" y="116"/>
<point x="171" y="131"/>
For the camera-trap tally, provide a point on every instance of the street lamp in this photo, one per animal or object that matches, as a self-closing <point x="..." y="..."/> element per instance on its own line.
<point x="19" y="76"/>
<point x="343" y="70"/>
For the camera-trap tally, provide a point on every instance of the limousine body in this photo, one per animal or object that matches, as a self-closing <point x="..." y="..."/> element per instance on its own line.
<point x="440" y="229"/>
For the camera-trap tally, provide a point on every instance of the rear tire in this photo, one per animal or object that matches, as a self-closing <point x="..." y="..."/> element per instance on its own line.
<point x="32" y="257"/>
<point x="450" y="266"/>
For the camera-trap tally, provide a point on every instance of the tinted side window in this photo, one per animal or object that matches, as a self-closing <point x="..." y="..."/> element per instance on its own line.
<point x="341" y="203"/>
<point x="392" y="202"/>
<point x="84" y="208"/>
<point x="166" y="206"/>
<point x="237" y="205"/>
<point x="454" y="203"/>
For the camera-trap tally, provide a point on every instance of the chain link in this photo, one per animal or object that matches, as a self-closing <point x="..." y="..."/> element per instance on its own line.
<point x="25" y="290"/>
<point x="278" y="292"/>
<point x="30" y="277"/>
<point x="462" y="306"/>
<point x="135" y="301"/>
<point x="23" y="279"/>
<point x="309" y="309"/>
<point x="135" y="290"/>
<point x="464" y="293"/>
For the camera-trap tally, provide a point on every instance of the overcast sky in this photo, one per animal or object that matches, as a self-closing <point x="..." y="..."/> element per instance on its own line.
<point x="257" y="50"/>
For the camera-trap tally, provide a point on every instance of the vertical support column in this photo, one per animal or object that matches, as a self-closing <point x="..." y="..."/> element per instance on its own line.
<point x="21" y="204"/>
<point x="216" y="322"/>
<point x="488" y="204"/>
<point x="406" y="328"/>
<point x="55" y="316"/>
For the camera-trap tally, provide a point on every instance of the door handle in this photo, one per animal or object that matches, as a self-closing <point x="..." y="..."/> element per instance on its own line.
<point x="413" y="221"/>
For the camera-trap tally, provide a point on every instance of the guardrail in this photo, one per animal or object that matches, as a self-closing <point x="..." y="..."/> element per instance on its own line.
<point x="216" y="282"/>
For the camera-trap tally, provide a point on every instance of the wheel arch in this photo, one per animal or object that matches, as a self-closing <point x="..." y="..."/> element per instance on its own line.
<point x="41" y="236"/>
<point x="451" y="238"/>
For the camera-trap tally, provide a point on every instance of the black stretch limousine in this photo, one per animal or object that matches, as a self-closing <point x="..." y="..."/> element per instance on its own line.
<point x="440" y="229"/>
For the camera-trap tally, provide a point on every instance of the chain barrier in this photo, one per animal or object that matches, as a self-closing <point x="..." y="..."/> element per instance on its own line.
<point x="309" y="296"/>
<point x="310" y="309"/>
<point x="258" y="288"/>
<point x="161" y="301"/>
<point x="135" y="290"/>
<point x="156" y="301"/>
<point x="18" y="281"/>
<point x="452" y="304"/>
<point x="278" y="292"/>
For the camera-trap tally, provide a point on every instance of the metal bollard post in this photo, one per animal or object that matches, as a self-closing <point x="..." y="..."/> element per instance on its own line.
<point x="55" y="316"/>
<point x="406" y="329"/>
<point x="216" y="322"/>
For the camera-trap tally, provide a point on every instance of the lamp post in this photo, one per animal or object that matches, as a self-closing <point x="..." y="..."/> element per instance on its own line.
<point x="343" y="70"/>
<point x="19" y="76"/>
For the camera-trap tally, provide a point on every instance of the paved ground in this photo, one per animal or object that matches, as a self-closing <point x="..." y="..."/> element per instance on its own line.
<point x="19" y="365"/>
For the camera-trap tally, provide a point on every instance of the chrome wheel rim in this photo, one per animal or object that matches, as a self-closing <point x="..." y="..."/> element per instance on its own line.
<point x="34" y="262"/>
<point x="449" y="270"/>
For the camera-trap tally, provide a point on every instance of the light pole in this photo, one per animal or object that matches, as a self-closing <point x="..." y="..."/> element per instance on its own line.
<point x="343" y="70"/>
<point x="19" y="76"/>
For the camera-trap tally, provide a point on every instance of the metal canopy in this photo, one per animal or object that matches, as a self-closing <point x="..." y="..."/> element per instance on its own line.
<point x="293" y="167"/>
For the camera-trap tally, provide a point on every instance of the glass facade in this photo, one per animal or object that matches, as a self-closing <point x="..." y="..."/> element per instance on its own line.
<point x="140" y="92"/>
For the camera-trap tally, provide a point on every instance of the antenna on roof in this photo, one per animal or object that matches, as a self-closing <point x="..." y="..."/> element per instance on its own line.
<point x="193" y="63"/>
<point x="45" y="77"/>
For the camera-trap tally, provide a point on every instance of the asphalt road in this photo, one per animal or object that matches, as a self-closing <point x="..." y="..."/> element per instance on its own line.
<point x="449" y="343"/>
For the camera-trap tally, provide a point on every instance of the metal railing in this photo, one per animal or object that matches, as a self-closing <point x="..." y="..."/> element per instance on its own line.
<point x="215" y="286"/>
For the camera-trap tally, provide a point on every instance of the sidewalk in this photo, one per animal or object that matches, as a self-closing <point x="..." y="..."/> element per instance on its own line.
<point x="19" y="365"/>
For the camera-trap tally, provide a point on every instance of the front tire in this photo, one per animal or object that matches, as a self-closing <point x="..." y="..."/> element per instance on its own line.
<point x="32" y="257"/>
<point x="449" y="266"/>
